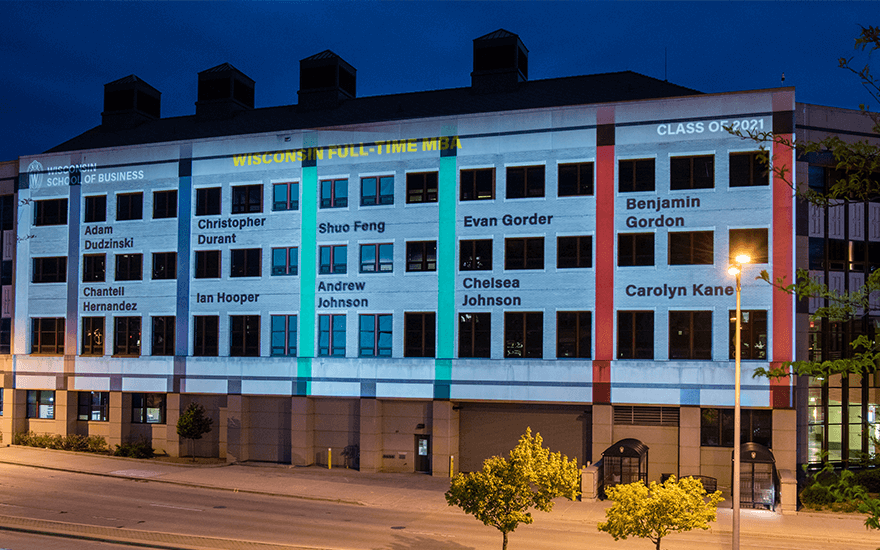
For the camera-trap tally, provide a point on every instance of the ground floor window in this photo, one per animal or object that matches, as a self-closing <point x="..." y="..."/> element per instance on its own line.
<point x="148" y="408"/>
<point x="41" y="404"/>
<point x="93" y="405"/>
<point x="842" y="419"/>
<point x="716" y="427"/>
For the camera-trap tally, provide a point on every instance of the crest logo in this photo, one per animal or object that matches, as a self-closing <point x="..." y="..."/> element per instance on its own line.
<point x="35" y="176"/>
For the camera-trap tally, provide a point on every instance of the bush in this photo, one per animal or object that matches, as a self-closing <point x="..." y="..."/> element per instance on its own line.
<point x="140" y="449"/>
<point x="817" y="495"/>
<point x="869" y="479"/>
<point x="71" y="442"/>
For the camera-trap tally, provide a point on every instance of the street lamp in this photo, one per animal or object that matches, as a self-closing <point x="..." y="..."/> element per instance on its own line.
<point x="736" y="270"/>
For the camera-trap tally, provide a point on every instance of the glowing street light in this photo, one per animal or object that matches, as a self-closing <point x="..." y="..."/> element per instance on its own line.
<point x="736" y="270"/>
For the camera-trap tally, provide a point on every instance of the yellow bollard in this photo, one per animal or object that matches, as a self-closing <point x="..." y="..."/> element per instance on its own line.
<point x="451" y="464"/>
<point x="329" y="458"/>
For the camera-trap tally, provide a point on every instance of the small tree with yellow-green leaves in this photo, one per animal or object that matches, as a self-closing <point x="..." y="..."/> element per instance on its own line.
<point x="657" y="510"/>
<point x="501" y="494"/>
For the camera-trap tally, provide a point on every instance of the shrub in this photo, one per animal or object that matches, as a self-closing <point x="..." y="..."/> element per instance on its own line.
<point x="817" y="495"/>
<point x="71" y="442"/>
<point x="139" y="449"/>
<point x="869" y="479"/>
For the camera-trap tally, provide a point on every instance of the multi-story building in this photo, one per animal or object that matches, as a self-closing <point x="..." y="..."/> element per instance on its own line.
<point x="421" y="275"/>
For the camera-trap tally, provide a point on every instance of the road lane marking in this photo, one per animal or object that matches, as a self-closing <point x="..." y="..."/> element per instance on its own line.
<point x="177" y="507"/>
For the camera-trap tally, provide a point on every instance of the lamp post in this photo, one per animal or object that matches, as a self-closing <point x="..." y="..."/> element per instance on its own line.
<point x="736" y="270"/>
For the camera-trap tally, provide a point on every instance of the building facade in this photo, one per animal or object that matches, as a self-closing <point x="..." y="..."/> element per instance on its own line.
<point x="421" y="276"/>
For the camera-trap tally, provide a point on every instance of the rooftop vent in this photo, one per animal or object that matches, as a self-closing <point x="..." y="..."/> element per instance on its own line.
<point x="129" y="102"/>
<point x="325" y="81"/>
<point x="501" y="62"/>
<point x="224" y="91"/>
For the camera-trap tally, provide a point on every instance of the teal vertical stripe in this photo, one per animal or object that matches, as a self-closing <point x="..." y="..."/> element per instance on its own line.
<point x="447" y="198"/>
<point x="308" y="266"/>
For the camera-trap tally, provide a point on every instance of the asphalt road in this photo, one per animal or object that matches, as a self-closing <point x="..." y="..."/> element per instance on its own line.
<point x="189" y="517"/>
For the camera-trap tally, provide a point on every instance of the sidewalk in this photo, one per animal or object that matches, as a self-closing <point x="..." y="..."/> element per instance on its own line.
<point x="411" y="492"/>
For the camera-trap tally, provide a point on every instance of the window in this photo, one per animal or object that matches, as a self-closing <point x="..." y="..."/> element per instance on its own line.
<point x="421" y="256"/>
<point x="94" y="268"/>
<point x="50" y="270"/>
<point x="47" y="335"/>
<point x="127" y="336"/>
<point x="635" y="175"/>
<point x="93" y="406"/>
<point x="523" y="335"/>
<point x="148" y="408"/>
<point x="283" y="337"/>
<point x="573" y="252"/>
<point x="635" y="334"/>
<point x="129" y="206"/>
<point x="477" y="185"/>
<point x="635" y="249"/>
<point x="284" y="261"/>
<point x="574" y="334"/>
<point x="749" y="241"/>
<point x="208" y="201"/>
<point x="333" y="258"/>
<point x="419" y="334"/>
<point x="377" y="258"/>
<point x="421" y="187"/>
<point x="247" y="199"/>
<point x="474" y="331"/>
<point x="525" y="253"/>
<point x="716" y="427"/>
<point x="475" y="255"/>
<point x="206" y="336"/>
<point x="747" y="170"/>
<point x="377" y="190"/>
<point x="692" y="172"/>
<point x="207" y="264"/>
<point x="129" y="267"/>
<point x="93" y="336"/>
<point x="334" y="193"/>
<point x="50" y="212"/>
<point x="95" y="209"/>
<point x="375" y="336"/>
<point x="164" y="265"/>
<point x="245" y="262"/>
<point x="690" y="335"/>
<point x="285" y="196"/>
<point x="163" y="335"/>
<point x="691" y="248"/>
<point x="525" y="182"/>
<point x="331" y="335"/>
<point x="244" y="335"/>
<point x="575" y="179"/>
<point x="5" y="339"/>
<point x="41" y="404"/>
<point x="165" y="204"/>
<point x="753" y="334"/>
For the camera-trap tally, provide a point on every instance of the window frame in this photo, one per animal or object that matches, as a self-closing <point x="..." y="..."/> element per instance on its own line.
<point x="418" y="184"/>
<point x="570" y="333"/>
<point x="40" y="404"/>
<point x="683" y="172"/>
<point x="579" y="187"/>
<point x="290" y="264"/>
<point x="288" y="345"/>
<point x="469" y="254"/>
<point x="129" y="206"/>
<point x="54" y="326"/>
<point x="376" y="185"/>
<point x="244" y="335"/>
<point x="427" y="250"/>
<point x="471" y="190"/>
<point x="583" y="252"/>
<point x="48" y="212"/>
<point x="129" y="267"/>
<point x="751" y="343"/>
<point x="246" y="199"/>
<point x="332" y="266"/>
<point x="758" y="173"/>
<point x="334" y="198"/>
<point x="141" y="405"/>
<point x="631" y="243"/>
<point x="636" y="173"/>
<point x="127" y="332"/>
<point x="640" y="344"/>
<point x="531" y="185"/>
<point x="377" y="339"/>
<point x="754" y="241"/>
<point x="163" y="332"/>
<point x="474" y="340"/>
<point x="690" y="326"/>
<point x="722" y="433"/>
<point x="164" y="204"/>
<point x="291" y="196"/>
<point x="373" y="263"/>
<point x="93" y="337"/>
<point x="164" y="266"/>
<point x="245" y="262"/>
<point x="206" y="335"/>
<point x="690" y="248"/>
<point x="207" y="264"/>
<point x="49" y="269"/>
<point x="329" y="329"/>
<point x="94" y="273"/>
<point x="93" y="210"/>
<point x="420" y="334"/>
<point x="532" y="256"/>
<point x="528" y="323"/>
<point x="209" y="201"/>
<point x="93" y="406"/>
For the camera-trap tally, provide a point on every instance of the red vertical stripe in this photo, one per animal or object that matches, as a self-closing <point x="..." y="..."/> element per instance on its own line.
<point x="604" y="314"/>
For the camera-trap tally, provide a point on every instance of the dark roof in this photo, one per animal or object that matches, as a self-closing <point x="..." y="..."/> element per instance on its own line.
<point x="553" y="92"/>
<point x="500" y="33"/>
<point x="632" y="448"/>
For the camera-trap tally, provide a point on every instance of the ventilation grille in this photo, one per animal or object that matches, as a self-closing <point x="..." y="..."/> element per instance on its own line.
<point x="645" y="416"/>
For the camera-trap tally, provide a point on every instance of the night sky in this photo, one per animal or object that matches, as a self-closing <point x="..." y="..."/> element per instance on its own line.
<point x="57" y="56"/>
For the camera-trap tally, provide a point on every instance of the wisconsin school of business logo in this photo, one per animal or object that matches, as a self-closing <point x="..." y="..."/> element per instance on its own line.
<point x="35" y="175"/>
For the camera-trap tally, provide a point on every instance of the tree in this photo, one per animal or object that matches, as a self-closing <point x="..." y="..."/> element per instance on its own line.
<point x="501" y="494"/>
<point x="193" y="424"/>
<point x="655" y="511"/>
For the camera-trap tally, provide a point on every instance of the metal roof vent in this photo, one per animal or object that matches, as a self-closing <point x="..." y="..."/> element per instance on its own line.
<point x="501" y="62"/>
<point x="129" y="102"/>
<point x="325" y="81"/>
<point x="224" y="91"/>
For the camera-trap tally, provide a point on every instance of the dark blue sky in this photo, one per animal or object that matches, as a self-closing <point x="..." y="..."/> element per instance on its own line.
<point x="58" y="55"/>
